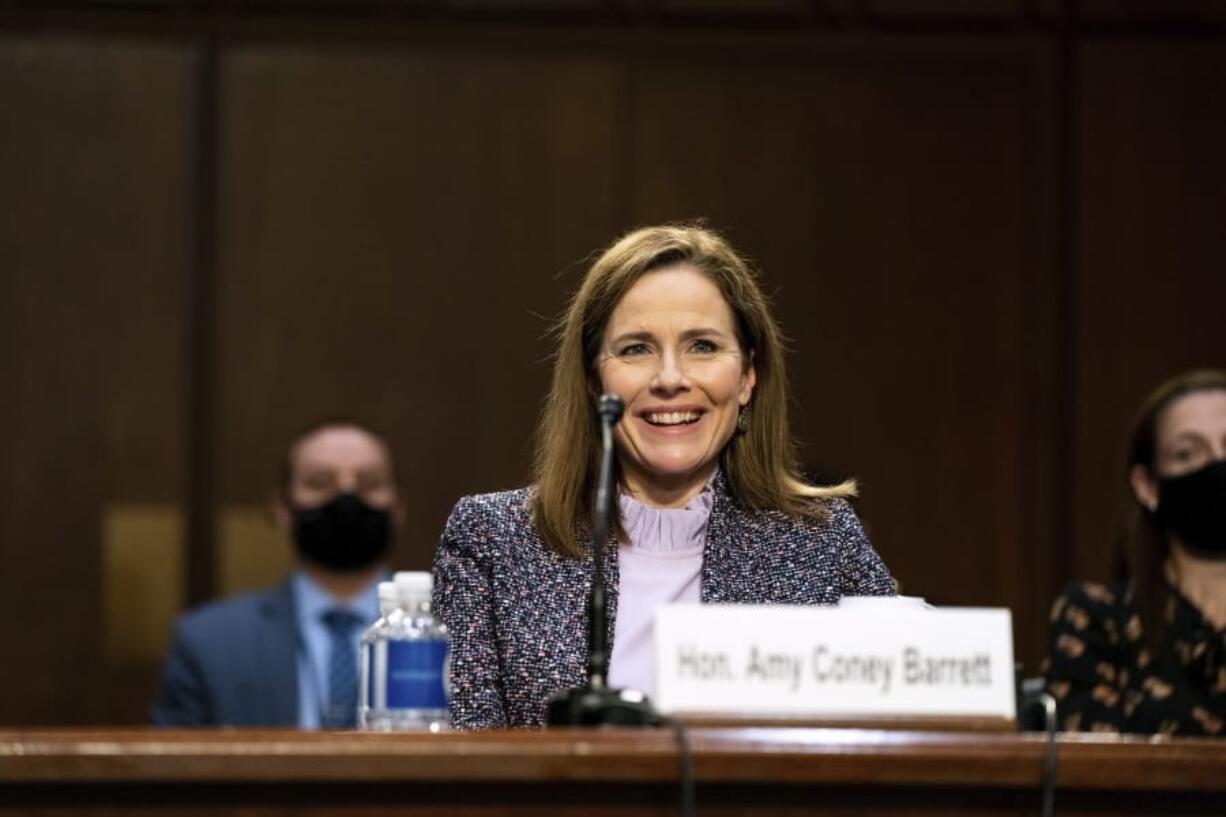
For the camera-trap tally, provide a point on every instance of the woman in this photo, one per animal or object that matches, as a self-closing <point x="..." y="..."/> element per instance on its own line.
<point x="1148" y="654"/>
<point x="712" y="509"/>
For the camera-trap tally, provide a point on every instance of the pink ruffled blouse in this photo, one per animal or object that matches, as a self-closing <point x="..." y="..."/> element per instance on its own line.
<point x="660" y="564"/>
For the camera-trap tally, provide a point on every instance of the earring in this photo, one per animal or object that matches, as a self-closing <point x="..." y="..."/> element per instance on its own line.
<point x="742" y="419"/>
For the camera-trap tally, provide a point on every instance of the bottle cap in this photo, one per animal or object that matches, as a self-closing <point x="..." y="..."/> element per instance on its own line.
<point x="389" y="597"/>
<point x="414" y="585"/>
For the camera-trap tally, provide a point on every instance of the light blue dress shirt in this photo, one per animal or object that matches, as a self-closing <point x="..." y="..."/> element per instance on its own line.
<point x="310" y="603"/>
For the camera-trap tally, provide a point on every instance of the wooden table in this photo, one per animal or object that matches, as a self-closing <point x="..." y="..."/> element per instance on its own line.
<point x="739" y="771"/>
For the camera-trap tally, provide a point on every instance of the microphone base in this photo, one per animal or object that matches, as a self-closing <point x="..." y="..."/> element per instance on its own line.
<point x="585" y="706"/>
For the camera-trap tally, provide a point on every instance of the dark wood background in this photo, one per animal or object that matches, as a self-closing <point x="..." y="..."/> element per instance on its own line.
<point x="990" y="229"/>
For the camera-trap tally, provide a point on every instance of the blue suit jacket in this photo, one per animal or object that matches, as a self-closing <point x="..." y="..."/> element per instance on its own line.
<point x="233" y="663"/>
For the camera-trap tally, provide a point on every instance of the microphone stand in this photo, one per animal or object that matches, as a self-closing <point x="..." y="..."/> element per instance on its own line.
<point x="595" y="703"/>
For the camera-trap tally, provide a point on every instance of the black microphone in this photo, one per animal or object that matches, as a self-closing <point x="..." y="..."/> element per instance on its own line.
<point x="596" y="703"/>
<point x="609" y="409"/>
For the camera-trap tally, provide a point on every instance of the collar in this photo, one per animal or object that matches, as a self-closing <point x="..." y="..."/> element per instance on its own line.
<point x="312" y="600"/>
<point x="672" y="531"/>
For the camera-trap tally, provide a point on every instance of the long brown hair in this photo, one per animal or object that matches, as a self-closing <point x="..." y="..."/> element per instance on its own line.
<point x="1145" y="545"/>
<point x="760" y="464"/>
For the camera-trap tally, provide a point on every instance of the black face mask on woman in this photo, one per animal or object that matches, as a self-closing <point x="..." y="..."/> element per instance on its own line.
<point x="1193" y="507"/>
<point x="345" y="534"/>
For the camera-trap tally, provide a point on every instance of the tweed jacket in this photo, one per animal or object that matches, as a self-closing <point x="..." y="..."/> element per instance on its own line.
<point x="517" y="611"/>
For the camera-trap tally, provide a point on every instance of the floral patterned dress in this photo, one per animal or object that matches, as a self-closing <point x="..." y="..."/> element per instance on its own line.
<point x="1104" y="679"/>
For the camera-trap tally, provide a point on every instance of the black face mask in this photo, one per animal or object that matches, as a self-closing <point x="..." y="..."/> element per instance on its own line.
<point x="1193" y="507"/>
<point x="345" y="535"/>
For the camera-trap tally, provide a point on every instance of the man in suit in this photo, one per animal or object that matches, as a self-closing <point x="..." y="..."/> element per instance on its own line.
<point x="287" y="656"/>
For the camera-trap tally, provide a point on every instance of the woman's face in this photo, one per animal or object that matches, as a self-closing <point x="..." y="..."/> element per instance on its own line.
<point x="1190" y="434"/>
<point x="670" y="351"/>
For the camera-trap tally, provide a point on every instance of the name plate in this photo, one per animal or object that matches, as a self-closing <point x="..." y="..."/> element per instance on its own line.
<point x="870" y="658"/>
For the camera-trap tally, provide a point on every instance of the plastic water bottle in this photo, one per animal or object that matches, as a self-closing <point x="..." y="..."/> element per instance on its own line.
<point x="373" y="642"/>
<point x="405" y="683"/>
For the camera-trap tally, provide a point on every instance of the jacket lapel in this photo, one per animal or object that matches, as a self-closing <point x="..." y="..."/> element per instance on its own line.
<point x="612" y="583"/>
<point x="713" y="584"/>
<point x="277" y="642"/>
<point x="612" y="577"/>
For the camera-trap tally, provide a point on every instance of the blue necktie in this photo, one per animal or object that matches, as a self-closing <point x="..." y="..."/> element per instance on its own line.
<point x="342" y="706"/>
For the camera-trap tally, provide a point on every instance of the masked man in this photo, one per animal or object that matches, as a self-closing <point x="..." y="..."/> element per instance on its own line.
<point x="287" y="656"/>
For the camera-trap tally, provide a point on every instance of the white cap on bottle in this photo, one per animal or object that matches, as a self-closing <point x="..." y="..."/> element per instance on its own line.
<point x="389" y="597"/>
<point x="414" y="587"/>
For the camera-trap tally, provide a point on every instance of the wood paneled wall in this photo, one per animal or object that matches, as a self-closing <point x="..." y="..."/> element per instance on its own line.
<point x="95" y="163"/>
<point x="1151" y="271"/>
<point x="988" y="233"/>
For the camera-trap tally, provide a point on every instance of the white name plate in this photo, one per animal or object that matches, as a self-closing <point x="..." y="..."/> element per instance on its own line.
<point x="865" y="658"/>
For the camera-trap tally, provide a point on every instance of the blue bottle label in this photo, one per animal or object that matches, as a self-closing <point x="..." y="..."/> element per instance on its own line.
<point x="415" y="674"/>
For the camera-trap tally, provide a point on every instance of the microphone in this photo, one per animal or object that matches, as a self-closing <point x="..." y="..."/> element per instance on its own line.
<point x="609" y="409"/>
<point x="596" y="703"/>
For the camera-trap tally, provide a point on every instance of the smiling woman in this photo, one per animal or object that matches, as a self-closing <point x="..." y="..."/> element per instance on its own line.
<point x="711" y="504"/>
<point x="671" y="353"/>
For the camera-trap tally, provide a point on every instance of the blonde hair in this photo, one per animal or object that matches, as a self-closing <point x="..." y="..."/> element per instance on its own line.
<point x="760" y="464"/>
